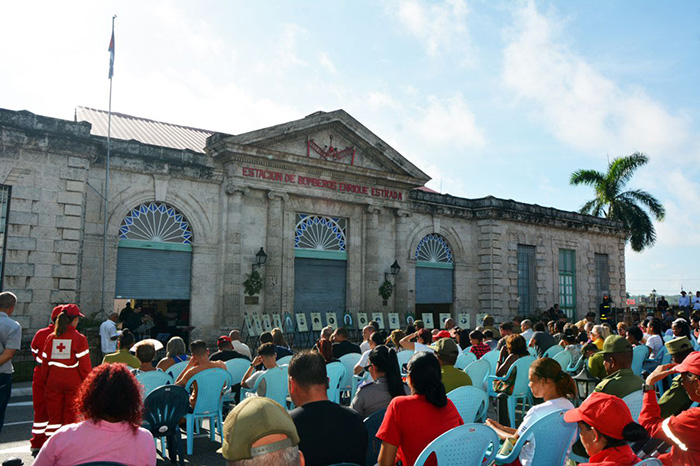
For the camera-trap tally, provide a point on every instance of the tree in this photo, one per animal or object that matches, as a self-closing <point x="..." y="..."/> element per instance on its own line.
<point x="613" y="202"/>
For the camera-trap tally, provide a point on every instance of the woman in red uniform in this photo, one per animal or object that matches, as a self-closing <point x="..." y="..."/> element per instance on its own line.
<point x="65" y="364"/>
<point x="682" y="432"/>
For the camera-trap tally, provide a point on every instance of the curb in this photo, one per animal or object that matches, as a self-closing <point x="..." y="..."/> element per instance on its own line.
<point x="17" y="392"/>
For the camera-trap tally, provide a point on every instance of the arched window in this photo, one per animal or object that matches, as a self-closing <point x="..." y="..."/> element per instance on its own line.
<point x="320" y="233"/>
<point x="433" y="248"/>
<point x="156" y="222"/>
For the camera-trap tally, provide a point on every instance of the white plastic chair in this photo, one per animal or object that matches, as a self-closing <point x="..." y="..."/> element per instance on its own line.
<point x="403" y="358"/>
<point x="464" y="359"/>
<point x="478" y="371"/>
<point x="471" y="402"/>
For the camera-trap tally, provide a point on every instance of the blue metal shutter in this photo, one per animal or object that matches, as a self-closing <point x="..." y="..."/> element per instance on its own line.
<point x="433" y="286"/>
<point x="319" y="286"/>
<point x="153" y="274"/>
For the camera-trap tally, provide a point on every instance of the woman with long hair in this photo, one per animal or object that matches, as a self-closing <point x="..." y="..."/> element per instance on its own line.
<point x="514" y="349"/>
<point x="395" y="339"/>
<point x="606" y="427"/>
<point x="109" y="402"/>
<point x="549" y="382"/>
<point x="175" y="351"/>
<point x="65" y="364"/>
<point x="325" y="347"/>
<point x="403" y="433"/>
<point x="386" y="382"/>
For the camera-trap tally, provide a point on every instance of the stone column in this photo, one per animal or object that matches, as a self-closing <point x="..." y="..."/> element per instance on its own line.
<point x="274" y="248"/>
<point x="372" y="276"/>
<point x="404" y="301"/>
<point x="232" y="313"/>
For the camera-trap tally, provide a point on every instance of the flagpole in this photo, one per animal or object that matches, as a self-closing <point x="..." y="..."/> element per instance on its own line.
<point x="109" y="150"/>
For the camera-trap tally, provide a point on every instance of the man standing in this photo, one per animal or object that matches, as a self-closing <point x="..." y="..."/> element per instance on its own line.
<point x="238" y="345"/>
<point x="617" y="360"/>
<point x="696" y="301"/>
<point x="446" y="352"/>
<point x="684" y="303"/>
<point x="329" y="433"/>
<point x="341" y="345"/>
<point x="109" y="334"/>
<point x="10" y="340"/>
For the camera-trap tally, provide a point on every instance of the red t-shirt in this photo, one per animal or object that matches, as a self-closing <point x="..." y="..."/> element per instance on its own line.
<point x="615" y="456"/>
<point x="412" y="422"/>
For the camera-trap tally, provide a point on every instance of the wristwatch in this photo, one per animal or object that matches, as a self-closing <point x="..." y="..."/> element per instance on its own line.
<point x="646" y="388"/>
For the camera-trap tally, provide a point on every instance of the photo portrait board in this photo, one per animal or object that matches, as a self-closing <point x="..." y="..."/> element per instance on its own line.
<point x="427" y="318"/>
<point x="394" y="322"/>
<point x="276" y="320"/>
<point x="464" y="320"/>
<point x="379" y="318"/>
<point x="302" y="326"/>
<point x="267" y="322"/>
<point x="362" y="320"/>
<point x="443" y="317"/>
<point x="316" y="322"/>
<point x="332" y="320"/>
<point x="249" y="325"/>
<point x="257" y="323"/>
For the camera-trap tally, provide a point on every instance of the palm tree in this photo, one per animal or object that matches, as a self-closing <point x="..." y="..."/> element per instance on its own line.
<point x="628" y="207"/>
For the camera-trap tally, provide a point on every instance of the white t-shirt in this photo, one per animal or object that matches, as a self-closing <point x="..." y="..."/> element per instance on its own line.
<point x="364" y="359"/>
<point x="422" y="347"/>
<point x="364" y="346"/>
<point x="696" y="303"/>
<point x="241" y="348"/>
<point x="533" y="414"/>
<point x="527" y="334"/>
<point x="108" y="329"/>
<point x="655" y="343"/>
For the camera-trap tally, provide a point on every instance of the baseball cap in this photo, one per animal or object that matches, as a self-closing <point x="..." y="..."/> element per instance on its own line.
<point x="251" y="420"/>
<point x="596" y="411"/>
<point x="446" y="347"/>
<point x="616" y="344"/>
<point x="223" y="339"/>
<point x="690" y="364"/>
<point x="72" y="310"/>
<point x="441" y="334"/>
<point x="56" y="311"/>
<point x="678" y="345"/>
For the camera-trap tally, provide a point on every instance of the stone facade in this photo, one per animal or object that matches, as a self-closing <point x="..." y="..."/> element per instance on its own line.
<point x="244" y="192"/>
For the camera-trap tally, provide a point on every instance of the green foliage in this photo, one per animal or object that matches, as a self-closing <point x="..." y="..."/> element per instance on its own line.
<point x="613" y="202"/>
<point x="386" y="289"/>
<point x="253" y="283"/>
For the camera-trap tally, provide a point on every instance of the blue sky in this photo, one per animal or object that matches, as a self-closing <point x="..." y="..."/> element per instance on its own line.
<point x="489" y="98"/>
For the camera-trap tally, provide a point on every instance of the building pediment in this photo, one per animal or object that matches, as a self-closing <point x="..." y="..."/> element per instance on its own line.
<point x="329" y="139"/>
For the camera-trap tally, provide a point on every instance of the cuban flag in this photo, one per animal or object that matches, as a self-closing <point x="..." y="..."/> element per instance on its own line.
<point x="111" y="55"/>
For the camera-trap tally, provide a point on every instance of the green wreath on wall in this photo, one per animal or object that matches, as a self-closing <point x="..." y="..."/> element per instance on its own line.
<point x="253" y="283"/>
<point x="386" y="289"/>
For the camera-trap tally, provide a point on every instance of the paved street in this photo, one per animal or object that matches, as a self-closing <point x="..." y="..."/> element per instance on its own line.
<point x="14" y="439"/>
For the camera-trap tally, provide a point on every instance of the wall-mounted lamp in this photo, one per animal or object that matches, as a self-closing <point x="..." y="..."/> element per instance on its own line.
<point x="395" y="268"/>
<point x="260" y="259"/>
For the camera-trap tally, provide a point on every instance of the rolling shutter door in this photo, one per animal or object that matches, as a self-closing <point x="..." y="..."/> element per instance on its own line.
<point x="433" y="286"/>
<point x="319" y="285"/>
<point x="153" y="274"/>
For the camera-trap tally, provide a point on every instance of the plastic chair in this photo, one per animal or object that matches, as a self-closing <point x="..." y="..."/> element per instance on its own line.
<point x="532" y="351"/>
<point x="564" y="359"/>
<point x="176" y="369"/>
<point x="464" y="359"/>
<point x="492" y="358"/>
<point x="576" y="367"/>
<point x="276" y="385"/>
<point x="467" y="444"/>
<point x="237" y="368"/>
<point x="336" y="373"/>
<point x="552" y="435"/>
<point x="553" y="351"/>
<point x="372" y="424"/>
<point x="634" y="402"/>
<point x="358" y="380"/>
<point x="284" y="360"/>
<point x="349" y="360"/>
<point x="478" y="371"/>
<point x="650" y="462"/>
<point x="163" y="409"/>
<point x="210" y="385"/>
<point x="521" y="390"/>
<point x="639" y="355"/>
<point x="403" y="357"/>
<point x="471" y="402"/>
<point x="153" y="379"/>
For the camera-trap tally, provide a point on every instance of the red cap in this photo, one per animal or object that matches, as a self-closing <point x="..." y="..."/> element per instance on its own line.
<point x="441" y="334"/>
<point x="56" y="311"/>
<point x="222" y="339"/>
<point x="690" y="364"/>
<point x="607" y="413"/>
<point x="72" y="310"/>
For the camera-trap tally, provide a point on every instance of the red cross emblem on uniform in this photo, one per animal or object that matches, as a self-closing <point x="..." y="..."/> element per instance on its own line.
<point x="60" y="349"/>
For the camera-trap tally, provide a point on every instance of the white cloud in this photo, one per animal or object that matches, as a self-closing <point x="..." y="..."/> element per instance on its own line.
<point x="327" y="63"/>
<point x="577" y="103"/>
<point x="449" y="121"/>
<point x="441" y="26"/>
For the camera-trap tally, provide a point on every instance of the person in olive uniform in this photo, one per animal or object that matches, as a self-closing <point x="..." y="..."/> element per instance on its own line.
<point x="617" y="359"/>
<point x="447" y="352"/>
<point x="675" y="399"/>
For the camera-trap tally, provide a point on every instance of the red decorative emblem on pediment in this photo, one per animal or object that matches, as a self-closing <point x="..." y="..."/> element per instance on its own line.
<point x="329" y="152"/>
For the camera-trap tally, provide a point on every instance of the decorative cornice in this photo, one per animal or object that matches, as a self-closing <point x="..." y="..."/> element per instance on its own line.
<point x="373" y="209"/>
<point x="277" y="195"/>
<point x="233" y="188"/>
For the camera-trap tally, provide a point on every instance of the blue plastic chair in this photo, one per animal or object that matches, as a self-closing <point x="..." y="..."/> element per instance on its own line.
<point x="284" y="360"/>
<point x="372" y="424"/>
<point x="358" y="380"/>
<point x="349" y="360"/>
<point x="336" y="373"/>
<point x="639" y="355"/>
<point x="276" y="385"/>
<point x="552" y="351"/>
<point x="650" y="462"/>
<point x="471" y="402"/>
<point x="521" y="389"/>
<point x="163" y="409"/>
<point x="532" y="351"/>
<point x="634" y="402"/>
<point x="176" y="369"/>
<point x="153" y="379"/>
<point x="564" y="359"/>
<point x="403" y="358"/>
<point x="211" y="383"/>
<point x="478" y="371"/>
<point x="237" y="368"/>
<point x="576" y="366"/>
<point x="553" y="437"/>
<point x="467" y="444"/>
<point x="492" y="358"/>
<point x="464" y="359"/>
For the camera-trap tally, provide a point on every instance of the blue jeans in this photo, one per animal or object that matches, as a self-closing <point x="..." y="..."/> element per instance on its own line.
<point x="5" y="391"/>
